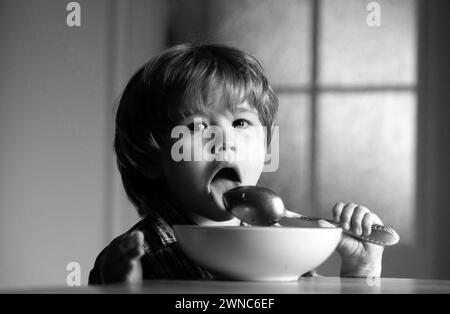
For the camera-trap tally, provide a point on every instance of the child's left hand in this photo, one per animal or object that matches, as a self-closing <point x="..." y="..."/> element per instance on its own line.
<point x="359" y="258"/>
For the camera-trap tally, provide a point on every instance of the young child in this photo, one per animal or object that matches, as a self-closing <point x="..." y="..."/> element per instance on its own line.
<point x="199" y="88"/>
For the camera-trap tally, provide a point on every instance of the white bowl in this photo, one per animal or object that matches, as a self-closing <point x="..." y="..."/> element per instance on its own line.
<point x="257" y="253"/>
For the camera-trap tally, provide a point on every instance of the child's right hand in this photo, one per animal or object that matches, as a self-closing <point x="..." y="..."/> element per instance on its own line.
<point x="121" y="260"/>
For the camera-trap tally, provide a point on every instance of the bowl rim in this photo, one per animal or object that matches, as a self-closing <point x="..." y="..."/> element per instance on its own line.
<point x="185" y="226"/>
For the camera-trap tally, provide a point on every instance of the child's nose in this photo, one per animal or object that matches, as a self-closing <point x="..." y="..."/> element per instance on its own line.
<point x="225" y="141"/>
<point x="223" y="147"/>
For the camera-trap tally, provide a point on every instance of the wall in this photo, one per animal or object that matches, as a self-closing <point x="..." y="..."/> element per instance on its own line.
<point x="434" y="130"/>
<point x="279" y="40"/>
<point x="57" y="90"/>
<point x="60" y="196"/>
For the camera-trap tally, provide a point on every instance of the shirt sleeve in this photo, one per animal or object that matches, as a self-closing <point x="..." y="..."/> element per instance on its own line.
<point x="95" y="275"/>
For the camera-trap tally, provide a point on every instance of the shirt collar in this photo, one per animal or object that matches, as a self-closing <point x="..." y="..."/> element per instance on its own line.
<point x="164" y="215"/>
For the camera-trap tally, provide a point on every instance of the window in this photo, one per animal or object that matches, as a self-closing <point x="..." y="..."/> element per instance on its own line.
<point x="347" y="99"/>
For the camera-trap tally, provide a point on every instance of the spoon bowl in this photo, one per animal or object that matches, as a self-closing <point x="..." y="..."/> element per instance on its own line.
<point x="254" y="205"/>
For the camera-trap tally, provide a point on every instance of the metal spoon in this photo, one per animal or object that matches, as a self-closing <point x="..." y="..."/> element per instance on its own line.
<point x="260" y="206"/>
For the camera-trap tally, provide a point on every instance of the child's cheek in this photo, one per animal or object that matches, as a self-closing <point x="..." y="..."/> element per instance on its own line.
<point x="187" y="147"/>
<point x="253" y="142"/>
<point x="251" y="152"/>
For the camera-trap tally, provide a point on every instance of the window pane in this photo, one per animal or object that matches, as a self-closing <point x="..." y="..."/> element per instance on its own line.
<point x="278" y="35"/>
<point x="351" y="52"/>
<point x="291" y="180"/>
<point x="366" y="155"/>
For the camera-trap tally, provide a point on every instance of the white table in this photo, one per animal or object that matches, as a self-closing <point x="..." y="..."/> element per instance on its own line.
<point x="335" y="285"/>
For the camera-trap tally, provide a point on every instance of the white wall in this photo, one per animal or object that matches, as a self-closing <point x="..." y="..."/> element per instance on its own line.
<point x="60" y="196"/>
<point x="58" y="200"/>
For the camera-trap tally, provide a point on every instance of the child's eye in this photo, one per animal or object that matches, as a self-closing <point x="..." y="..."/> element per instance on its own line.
<point x="240" y="123"/>
<point x="197" y="126"/>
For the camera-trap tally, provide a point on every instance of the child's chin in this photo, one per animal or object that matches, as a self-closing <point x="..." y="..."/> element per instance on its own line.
<point x="218" y="212"/>
<point x="216" y="191"/>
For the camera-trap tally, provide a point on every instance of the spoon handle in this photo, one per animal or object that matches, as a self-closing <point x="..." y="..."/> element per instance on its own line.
<point x="379" y="234"/>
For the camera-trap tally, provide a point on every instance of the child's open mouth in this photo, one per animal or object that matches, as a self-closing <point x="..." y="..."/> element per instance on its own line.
<point x="225" y="179"/>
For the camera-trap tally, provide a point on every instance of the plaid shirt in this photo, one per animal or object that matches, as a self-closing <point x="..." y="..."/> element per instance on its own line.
<point x="163" y="258"/>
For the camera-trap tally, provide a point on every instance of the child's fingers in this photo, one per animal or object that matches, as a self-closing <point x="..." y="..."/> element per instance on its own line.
<point x="120" y="271"/>
<point x="367" y="223"/>
<point x="134" y="253"/>
<point x="136" y="245"/>
<point x="123" y="260"/>
<point x="377" y="220"/>
<point x="357" y="217"/>
<point x="123" y="266"/>
<point x="129" y="261"/>
<point x="123" y="254"/>
<point x="337" y="210"/>
<point x="124" y="245"/>
<point x="346" y="215"/>
<point x="131" y="241"/>
<point x="139" y="235"/>
<point x="134" y="273"/>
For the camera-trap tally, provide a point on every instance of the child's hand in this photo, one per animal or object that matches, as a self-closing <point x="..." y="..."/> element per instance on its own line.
<point x="121" y="260"/>
<point x="359" y="258"/>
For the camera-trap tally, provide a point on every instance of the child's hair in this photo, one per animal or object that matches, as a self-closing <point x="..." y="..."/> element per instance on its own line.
<point x="180" y="81"/>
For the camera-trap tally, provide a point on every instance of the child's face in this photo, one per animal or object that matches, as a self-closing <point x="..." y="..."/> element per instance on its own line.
<point x="239" y="146"/>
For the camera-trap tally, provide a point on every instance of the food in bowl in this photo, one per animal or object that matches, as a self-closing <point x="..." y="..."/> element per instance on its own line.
<point x="257" y="253"/>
